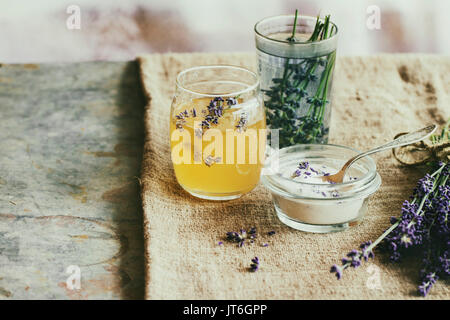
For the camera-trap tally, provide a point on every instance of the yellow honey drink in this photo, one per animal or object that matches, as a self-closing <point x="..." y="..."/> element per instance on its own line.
<point x="218" y="145"/>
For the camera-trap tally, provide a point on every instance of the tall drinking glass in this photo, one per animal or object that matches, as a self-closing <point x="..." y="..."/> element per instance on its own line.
<point x="296" y="76"/>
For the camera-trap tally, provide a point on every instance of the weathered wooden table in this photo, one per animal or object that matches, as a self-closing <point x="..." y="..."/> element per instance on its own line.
<point x="71" y="139"/>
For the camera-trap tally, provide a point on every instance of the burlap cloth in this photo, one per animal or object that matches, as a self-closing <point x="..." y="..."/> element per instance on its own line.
<point x="373" y="99"/>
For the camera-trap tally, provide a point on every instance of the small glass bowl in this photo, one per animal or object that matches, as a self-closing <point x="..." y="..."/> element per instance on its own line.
<point x="317" y="206"/>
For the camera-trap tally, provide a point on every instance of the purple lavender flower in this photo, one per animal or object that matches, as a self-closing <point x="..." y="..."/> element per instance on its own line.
<point x="338" y="270"/>
<point x="205" y="124"/>
<point x="231" y="101"/>
<point x="354" y="259"/>
<point x="181" y="119"/>
<point x="242" y="123"/>
<point x="231" y="236"/>
<point x="444" y="262"/>
<point x="215" y="111"/>
<point x="366" y="252"/>
<point x="254" y="266"/>
<point x="428" y="281"/>
<point x="241" y="236"/>
<point x="212" y="104"/>
<point x="297" y="173"/>
<point x="425" y="185"/>
<point x="304" y="165"/>
<point x="393" y="220"/>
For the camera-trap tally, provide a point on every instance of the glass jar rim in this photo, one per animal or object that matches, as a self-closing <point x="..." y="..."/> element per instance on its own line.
<point x="296" y="43"/>
<point x="218" y="66"/>
<point x="365" y="186"/>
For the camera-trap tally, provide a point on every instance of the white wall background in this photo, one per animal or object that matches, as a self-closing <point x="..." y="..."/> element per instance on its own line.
<point x="35" y="31"/>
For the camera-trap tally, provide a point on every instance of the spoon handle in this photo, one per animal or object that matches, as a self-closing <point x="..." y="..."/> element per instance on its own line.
<point x="403" y="140"/>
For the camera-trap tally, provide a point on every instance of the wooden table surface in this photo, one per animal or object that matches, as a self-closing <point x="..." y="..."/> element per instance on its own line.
<point x="71" y="139"/>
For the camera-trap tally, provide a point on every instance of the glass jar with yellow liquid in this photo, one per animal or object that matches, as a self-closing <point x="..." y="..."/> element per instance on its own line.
<point x="217" y="131"/>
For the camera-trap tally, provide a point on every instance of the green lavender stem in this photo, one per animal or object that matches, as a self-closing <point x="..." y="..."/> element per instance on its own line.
<point x="292" y="37"/>
<point x="325" y="91"/>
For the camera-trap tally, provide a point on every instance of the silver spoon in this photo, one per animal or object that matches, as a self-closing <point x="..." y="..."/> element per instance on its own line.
<point x="403" y="140"/>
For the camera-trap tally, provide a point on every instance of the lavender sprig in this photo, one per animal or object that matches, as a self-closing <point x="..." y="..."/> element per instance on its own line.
<point x="354" y="258"/>
<point x="424" y="224"/>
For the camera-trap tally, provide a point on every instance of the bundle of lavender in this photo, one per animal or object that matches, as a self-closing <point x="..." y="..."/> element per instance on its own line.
<point x="423" y="225"/>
